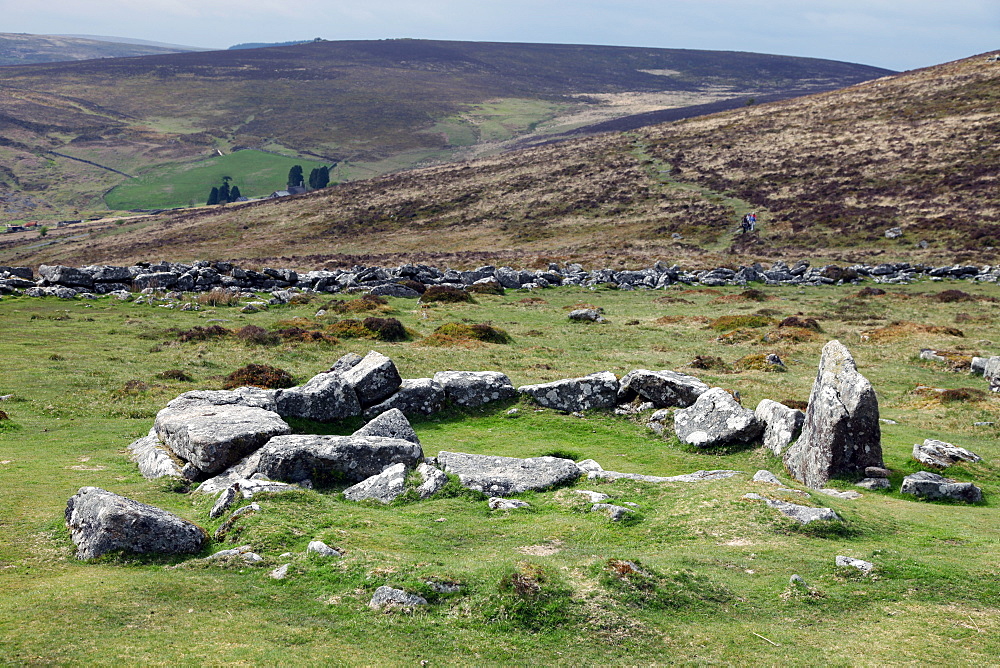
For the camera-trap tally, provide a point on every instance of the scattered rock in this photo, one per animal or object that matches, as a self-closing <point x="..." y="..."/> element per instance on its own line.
<point x="766" y="477"/>
<point x="841" y="435"/>
<point x="942" y="455"/>
<point x="782" y="425"/>
<point x="326" y="459"/>
<point x="320" y="548"/>
<point x="615" y="513"/>
<point x="598" y="390"/>
<point x="390" y="424"/>
<point x="874" y="484"/>
<point x="799" y="513"/>
<point x="213" y="438"/>
<point x="716" y="419"/>
<point x="224" y="501"/>
<point x="324" y="398"/>
<point x="506" y="476"/>
<point x="374" y="378"/>
<point x="865" y="567"/>
<point x="593" y="497"/>
<point x="697" y="476"/>
<point x="933" y="486"/>
<point x="586" y="315"/>
<point x="499" y="503"/>
<point x="280" y="573"/>
<point x="386" y="597"/>
<point x="100" y="521"/>
<point x="433" y="480"/>
<point x="664" y="389"/>
<point x="850" y="495"/>
<point x="475" y="388"/>
<point x="415" y="396"/>
<point x="153" y="460"/>
<point x="877" y="472"/>
<point x="385" y="487"/>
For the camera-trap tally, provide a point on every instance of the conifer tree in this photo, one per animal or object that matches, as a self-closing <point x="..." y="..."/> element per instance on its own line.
<point x="295" y="176"/>
<point x="213" y="197"/>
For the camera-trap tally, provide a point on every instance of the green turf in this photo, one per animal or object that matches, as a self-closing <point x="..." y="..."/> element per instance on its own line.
<point x="257" y="174"/>
<point x="85" y="380"/>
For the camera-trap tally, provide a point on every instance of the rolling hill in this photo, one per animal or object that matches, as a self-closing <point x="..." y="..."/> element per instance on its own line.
<point x="828" y="175"/>
<point x="23" y="49"/>
<point x="72" y="131"/>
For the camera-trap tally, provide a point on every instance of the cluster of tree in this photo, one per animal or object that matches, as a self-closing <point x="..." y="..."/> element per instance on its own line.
<point x="318" y="178"/>
<point x="224" y="193"/>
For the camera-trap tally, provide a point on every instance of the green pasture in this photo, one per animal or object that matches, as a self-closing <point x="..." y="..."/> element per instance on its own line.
<point x="257" y="174"/>
<point x="86" y="380"/>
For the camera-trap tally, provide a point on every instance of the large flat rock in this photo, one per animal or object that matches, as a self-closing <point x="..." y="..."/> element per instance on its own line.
<point x="475" y="388"/>
<point x="505" y="476"/>
<point x="100" y="521"/>
<point x="716" y="419"/>
<point x="597" y="390"/>
<point x="664" y="389"/>
<point x="331" y="459"/>
<point x="212" y="438"/>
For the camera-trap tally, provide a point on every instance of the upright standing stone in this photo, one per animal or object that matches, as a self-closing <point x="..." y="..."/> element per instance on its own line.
<point x="841" y="433"/>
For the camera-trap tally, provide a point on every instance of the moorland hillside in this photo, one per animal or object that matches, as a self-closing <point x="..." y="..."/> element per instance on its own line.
<point x="72" y="131"/>
<point x="828" y="174"/>
<point x="24" y="49"/>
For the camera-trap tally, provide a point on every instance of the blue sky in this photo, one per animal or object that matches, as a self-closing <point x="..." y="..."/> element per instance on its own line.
<point x="895" y="34"/>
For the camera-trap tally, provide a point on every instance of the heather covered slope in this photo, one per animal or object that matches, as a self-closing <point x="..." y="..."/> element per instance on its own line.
<point x="828" y="174"/>
<point x="373" y="107"/>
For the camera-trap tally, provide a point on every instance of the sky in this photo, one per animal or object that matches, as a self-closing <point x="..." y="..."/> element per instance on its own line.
<point x="894" y="34"/>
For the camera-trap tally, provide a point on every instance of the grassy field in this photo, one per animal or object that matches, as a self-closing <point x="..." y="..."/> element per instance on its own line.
<point x="256" y="173"/>
<point x="86" y="379"/>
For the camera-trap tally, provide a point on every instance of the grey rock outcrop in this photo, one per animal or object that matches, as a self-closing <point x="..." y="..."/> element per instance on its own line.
<point x="320" y="548"/>
<point x="385" y="487"/>
<point x="799" y="513"/>
<point x="500" y="503"/>
<point x="782" y="425"/>
<point x="226" y="499"/>
<point x="475" y="388"/>
<point x="697" y="476"/>
<point x="766" y="477"/>
<point x="933" y="486"/>
<point x="387" y="597"/>
<point x="586" y="315"/>
<point x="346" y="362"/>
<point x="433" y="479"/>
<point x="663" y="388"/>
<point x="153" y="460"/>
<point x="325" y="459"/>
<point x="874" y="484"/>
<point x="100" y="521"/>
<point x="374" y="378"/>
<point x="597" y="390"/>
<point x="251" y="397"/>
<point x="865" y="567"/>
<point x="212" y="438"/>
<point x="716" y="419"/>
<point x="391" y="424"/>
<point x="325" y="397"/>
<point x="614" y="513"/>
<point x="841" y="434"/>
<point x="942" y="455"/>
<point x="506" y="476"/>
<point x="415" y="396"/>
<point x="991" y="372"/>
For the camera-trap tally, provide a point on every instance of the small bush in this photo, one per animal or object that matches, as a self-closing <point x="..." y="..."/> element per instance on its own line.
<point x="413" y="285"/>
<point x="870" y="292"/>
<point x="802" y="323"/>
<point x="738" y="336"/>
<point x="445" y="295"/>
<point x="479" y="332"/>
<point x="531" y="597"/>
<point x="903" y="328"/>
<point x="642" y="587"/>
<point x="349" y="328"/>
<point x="217" y="297"/>
<point x="728" y="323"/>
<point x="4" y="416"/>
<point x="756" y="362"/>
<point x="385" y="329"/>
<point x="175" y="374"/>
<point x="951" y="296"/>
<point x="257" y="336"/>
<point x="797" y="404"/>
<point x="363" y="304"/>
<point x="708" y="363"/>
<point x="486" y="289"/>
<point x="790" y="335"/>
<point x="297" y="334"/>
<point x="204" y="333"/>
<point x="259" y="375"/>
